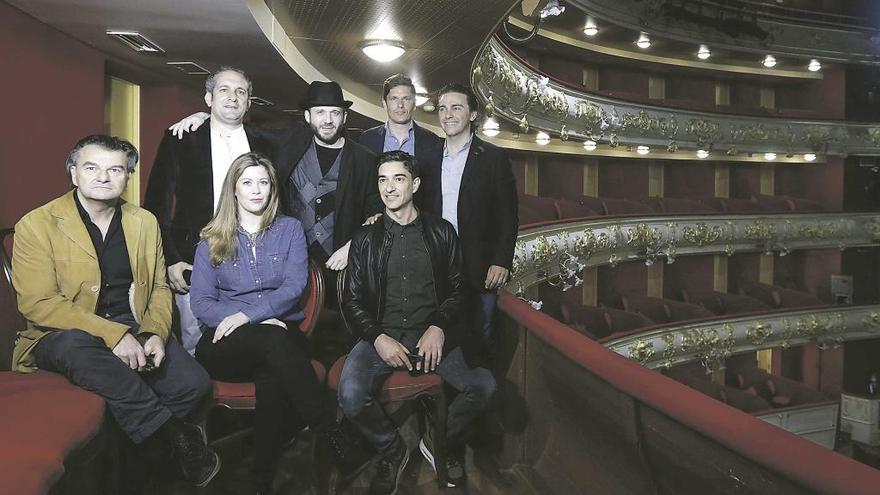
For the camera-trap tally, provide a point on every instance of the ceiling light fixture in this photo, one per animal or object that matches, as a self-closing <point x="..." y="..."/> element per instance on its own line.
<point x="590" y="145"/>
<point x="809" y="157"/>
<point x="702" y="154"/>
<point x="703" y="53"/>
<point x="814" y="66"/>
<point x="644" y="41"/>
<point x="590" y="28"/>
<point x="643" y="150"/>
<point x="542" y="138"/>
<point x="770" y="156"/>
<point x="491" y="127"/>
<point x="135" y="40"/>
<point x="769" y="61"/>
<point x="383" y="50"/>
<point x="552" y="9"/>
<point x="421" y="95"/>
<point x="428" y="106"/>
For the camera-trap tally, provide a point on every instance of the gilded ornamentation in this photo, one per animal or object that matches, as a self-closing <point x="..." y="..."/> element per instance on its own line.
<point x="872" y="227"/>
<point x="872" y="321"/>
<point x="544" y="251"/>
<point x="759" y="332"/>
<point x="701" y="234"/>
<point x="641" y="351"/>
<point x="819" y="230"/>
<point x="668" y="350"/>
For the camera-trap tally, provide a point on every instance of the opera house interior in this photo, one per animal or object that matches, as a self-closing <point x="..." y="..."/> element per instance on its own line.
<point x="693" y="304"/>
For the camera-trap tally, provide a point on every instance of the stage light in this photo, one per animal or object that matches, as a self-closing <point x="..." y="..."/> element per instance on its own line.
<point x="491" y="127"/>
<point x="703" y="53"/>
<point x="590" y="28"/>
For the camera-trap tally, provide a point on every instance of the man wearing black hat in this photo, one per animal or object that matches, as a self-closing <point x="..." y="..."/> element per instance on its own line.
<point x="327" y="182"/>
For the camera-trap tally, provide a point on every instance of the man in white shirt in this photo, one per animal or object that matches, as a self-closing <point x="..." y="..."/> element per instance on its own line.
<point x="186" y="178"/>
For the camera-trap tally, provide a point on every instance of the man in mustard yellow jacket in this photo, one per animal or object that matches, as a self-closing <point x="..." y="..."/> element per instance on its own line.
<point x="90" y="277"/>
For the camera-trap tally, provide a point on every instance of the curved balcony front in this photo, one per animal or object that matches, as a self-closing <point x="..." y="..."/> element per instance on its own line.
<point x="738" y="27"/>
<point x="711" y="342"/>
<point x="513" y="90"/>
<point x="564" y="250"/>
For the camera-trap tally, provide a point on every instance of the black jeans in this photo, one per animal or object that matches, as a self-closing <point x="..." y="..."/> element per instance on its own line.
<point x="139" y="403"/>
<point x="286" y="386"/>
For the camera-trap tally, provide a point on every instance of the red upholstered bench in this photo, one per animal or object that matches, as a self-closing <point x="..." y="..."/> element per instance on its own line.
<point x="44" y="419"/>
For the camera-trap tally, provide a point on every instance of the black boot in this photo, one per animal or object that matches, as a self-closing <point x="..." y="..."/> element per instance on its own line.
<point x="198" y="463"/>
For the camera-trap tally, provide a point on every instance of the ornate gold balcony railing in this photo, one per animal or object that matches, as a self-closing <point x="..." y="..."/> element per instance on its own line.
<point x="560" y="252"/>
<point x="514" y="91"/>
<point x="827" y="37"/>
<point x="711" y="342"/>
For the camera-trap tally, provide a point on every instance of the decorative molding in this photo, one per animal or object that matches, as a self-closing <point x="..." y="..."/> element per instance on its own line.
<point x="711" y="342"/>
<point x="516" y="92"/>
<point x="559" y="253"/>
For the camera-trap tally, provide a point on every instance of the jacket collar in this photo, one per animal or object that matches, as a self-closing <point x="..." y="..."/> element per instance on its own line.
<point x="71" y="225"/>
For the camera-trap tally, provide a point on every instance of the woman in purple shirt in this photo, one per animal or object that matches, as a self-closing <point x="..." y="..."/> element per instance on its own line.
<point x="250" y="270"/>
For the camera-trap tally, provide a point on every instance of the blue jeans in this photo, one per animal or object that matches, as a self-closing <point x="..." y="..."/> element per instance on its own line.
<point x="364" y="373"/>
<point x="139" y="403"/>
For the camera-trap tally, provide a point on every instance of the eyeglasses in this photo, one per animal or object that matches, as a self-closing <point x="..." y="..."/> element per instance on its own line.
<point x="93" y="170"/>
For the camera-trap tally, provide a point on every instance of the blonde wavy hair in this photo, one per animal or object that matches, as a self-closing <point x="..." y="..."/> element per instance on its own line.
<point x="221" y="232"/>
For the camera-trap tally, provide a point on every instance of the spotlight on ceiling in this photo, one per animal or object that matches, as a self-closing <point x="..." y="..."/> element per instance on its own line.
<point x="421" y="95"/>
<point x="428" y="106"/>
<point x="703" y="53"/>
<point x="542" y="138"/>
<point x="590" y="145"/>
<point x="383" y="50"/>
<point x="770" y="156"/>
<point x="643" y="150"/>
<point x="809" y="157"/>
<point x="702" y="154"/>
<point x="769" y="61"/>
<point x="644" y="41"/>
<point x="552" y="9"/>
<point x="814" y="66"/>
<point x="590" y="28"/>
<point x="491" y="127"/>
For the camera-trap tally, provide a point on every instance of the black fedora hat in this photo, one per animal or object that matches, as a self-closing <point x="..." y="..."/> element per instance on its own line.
<point x="324" y="94"/>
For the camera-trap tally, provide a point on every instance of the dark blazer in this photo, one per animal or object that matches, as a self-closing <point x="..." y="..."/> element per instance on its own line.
<point x="357" y="193"/>
<point x="363" y="303"/>
<point x="487" y="211"/>
<point x="180" y="191"/>
<point x="429" y="153"/>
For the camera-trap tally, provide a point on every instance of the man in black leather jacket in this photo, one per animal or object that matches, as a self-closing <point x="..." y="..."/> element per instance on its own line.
<point x="403" y="298"/>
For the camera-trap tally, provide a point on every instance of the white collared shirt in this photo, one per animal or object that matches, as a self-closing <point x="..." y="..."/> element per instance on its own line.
<point x="450" y="178"/>
<point x="226" y="146"/>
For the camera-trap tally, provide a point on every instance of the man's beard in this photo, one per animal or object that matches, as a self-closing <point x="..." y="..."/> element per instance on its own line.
<point x="332" y="140"/>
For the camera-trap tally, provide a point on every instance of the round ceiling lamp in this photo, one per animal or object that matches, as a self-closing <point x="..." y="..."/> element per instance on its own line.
<point x="644" y="41"/>
<point x="814" y="66"/>
<point x="491" y="127"/>
<point x="643" y="150"/>
<point x="703" y="53"/>
<point x="702" y="154"/>
<point x="770" y="156"/>
<point x="542" y="138"/>
<point x="809" y="157"/>
<point x="590" y="145"/>
<point x="769" y="61"/>
<point x="383" y="50"/>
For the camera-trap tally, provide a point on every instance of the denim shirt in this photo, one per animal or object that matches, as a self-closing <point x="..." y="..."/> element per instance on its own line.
<point x="262" y="286"/>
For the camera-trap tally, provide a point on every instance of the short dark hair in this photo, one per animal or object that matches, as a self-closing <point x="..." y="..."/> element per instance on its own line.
<point x="473" y="104"/>
<point x="110" y="143"/>
<point x="409" y="161"/>
<point x="397" y="80"/>
<point x="211" y="81"/>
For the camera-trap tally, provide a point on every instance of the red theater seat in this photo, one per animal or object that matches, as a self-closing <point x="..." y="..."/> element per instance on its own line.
<point x="538" y="209"/>
<point x="574" y="209"/>
<point x="722" y="303"/>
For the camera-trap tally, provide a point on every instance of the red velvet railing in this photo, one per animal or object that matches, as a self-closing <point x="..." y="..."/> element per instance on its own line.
<point x="662" y="410"/>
